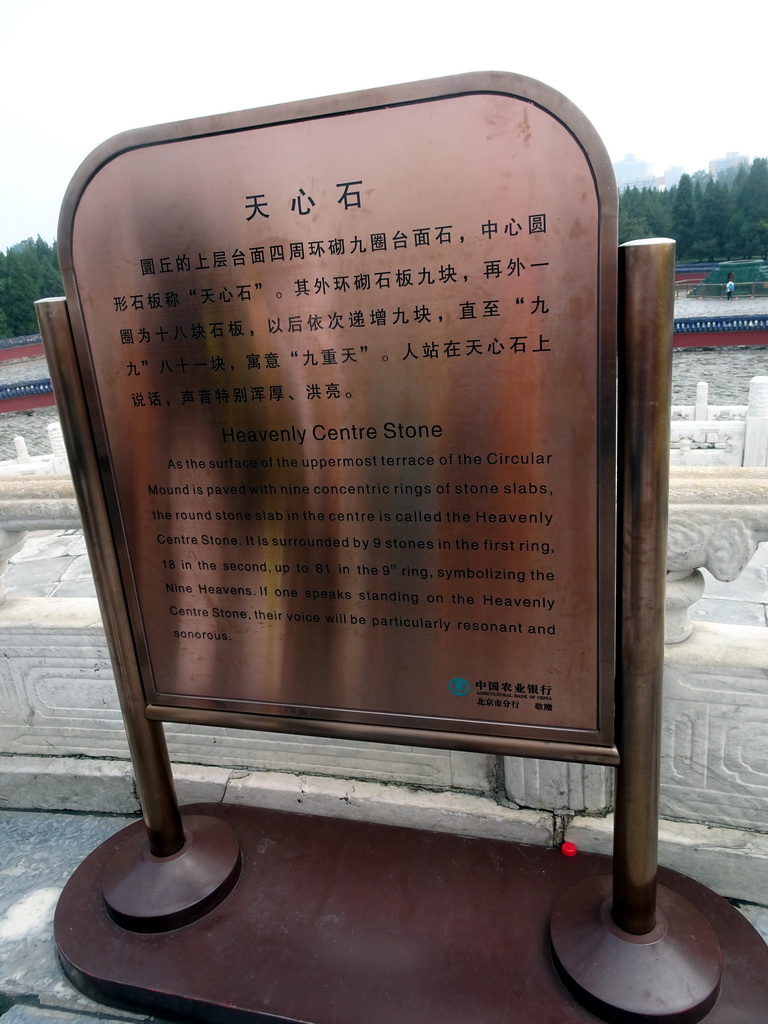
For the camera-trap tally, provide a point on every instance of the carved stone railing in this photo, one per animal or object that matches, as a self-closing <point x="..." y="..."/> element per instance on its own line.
<point x="701" y="435"/>
<point x="717" y="518"/>
<point x="53" y="462"/>
<point x="721" y="435"/>
<point x="33" y="503"/>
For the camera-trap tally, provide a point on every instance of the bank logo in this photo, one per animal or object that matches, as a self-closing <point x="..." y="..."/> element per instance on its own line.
<point x="459" y="687"/>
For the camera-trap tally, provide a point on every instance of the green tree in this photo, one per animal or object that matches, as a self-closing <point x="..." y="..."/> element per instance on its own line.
<point x="632" y="220"/>
<point x="712" y="222"/>
<point x="28" y="271"/>
<point x="733" y="231"/>
<point x="643" y="214"/>
<point x="684" y="217"/>
<point x="728" y="176"/>
<point x="750" y="220"/>
<point x="18" y="294"/>
<point x="658" y="212"/>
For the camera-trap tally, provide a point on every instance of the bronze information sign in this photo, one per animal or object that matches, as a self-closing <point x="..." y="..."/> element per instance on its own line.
<point x="350" y="371"/>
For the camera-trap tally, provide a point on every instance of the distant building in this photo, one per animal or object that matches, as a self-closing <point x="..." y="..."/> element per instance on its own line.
<point x="724" y="162"/>
<point x="672" y="177"/>
<point x="633" y="173"/>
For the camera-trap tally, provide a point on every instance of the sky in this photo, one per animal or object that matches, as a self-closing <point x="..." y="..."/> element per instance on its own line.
<point x="676" y="84"/>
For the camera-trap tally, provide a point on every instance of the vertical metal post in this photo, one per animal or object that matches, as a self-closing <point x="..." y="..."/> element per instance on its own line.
<point x="627" y="948"/>
<point x="146" y="740"/>
<point x="646" y="317"/>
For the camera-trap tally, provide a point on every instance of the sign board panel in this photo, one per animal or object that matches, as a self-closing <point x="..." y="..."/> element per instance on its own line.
<point x="350" y="368"/>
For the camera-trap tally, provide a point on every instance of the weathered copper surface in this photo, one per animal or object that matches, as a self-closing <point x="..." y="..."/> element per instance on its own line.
<point x="350" y="366"/>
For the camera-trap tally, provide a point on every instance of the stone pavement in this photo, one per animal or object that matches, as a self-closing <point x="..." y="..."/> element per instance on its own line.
<point x="743" y="602"/>
<point x="51" y="564"/>
<point x="719" y="306"/>
<point x="38" y="853"/>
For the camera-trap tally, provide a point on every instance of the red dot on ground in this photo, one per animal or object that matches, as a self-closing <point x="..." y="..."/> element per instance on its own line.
<point x="568" y="849"/>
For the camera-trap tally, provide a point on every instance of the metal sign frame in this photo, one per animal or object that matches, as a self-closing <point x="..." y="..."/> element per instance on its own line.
<point x="626" y="948"/>
<point x="107" y="521"/>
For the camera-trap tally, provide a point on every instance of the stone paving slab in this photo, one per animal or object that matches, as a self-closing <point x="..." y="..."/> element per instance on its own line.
<point x="81" y="587"/>
<point x="38" y="853"/>
<point x="51" y="564"/>
<point x="20" y="1014"/>
<point x="720" y="306"/>
<point x="729" y="611"/>
<point x="744" y="602"/>
<point x="756" y="915"/>
<point x="36" y="577"/>
<point x="12" y="371"/>
<point x="752" y="585"/>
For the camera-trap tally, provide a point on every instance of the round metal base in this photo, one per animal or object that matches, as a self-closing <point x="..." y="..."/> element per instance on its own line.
<point x="672" y="974"/>
<point x="144" y="893"/>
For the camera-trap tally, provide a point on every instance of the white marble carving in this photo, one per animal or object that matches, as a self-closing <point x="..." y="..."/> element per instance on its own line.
<point x="33" y="503"/>
<point x="558" y="786"/>
<point x="721" y="435"/>
<point x="52" y="462"/>
<point x="715" y="732"/>
<point x="717" y="518"/>
<point x="57" y="696"/>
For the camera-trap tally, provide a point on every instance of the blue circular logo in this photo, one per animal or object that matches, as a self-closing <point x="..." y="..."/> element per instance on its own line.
<point x="459" y="687"/>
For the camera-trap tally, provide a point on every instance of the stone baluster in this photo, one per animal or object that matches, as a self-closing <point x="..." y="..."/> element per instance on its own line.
<point x="701" y="409"/>
<point x="22" y="452"/>
<point x="756" y="440"/>
<point x="58" y="448"/>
